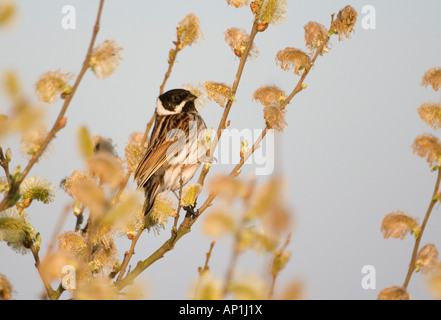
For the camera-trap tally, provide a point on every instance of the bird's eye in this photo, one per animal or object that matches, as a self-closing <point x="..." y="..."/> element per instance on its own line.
<point x="176" y="98"/>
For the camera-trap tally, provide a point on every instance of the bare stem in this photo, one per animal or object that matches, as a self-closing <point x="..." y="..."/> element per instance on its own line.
<point x="55" y="128"/>
<point x="233" y="260"/>
<point x="274" y="275"/>
<point x="46" y="283"/>
<point x="128" y="255"/>
<point x="420" y="234"/>
<point x="58" y="228"/>
<point x="206" y="268"/>
<point x="171" y="63"/>
<point x="178" y="211"/>
<point x="8" y="178"/>
<point x="5" y="165"/>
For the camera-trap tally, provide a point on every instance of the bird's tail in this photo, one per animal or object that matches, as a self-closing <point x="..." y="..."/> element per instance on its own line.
<point x="151" y="189"/>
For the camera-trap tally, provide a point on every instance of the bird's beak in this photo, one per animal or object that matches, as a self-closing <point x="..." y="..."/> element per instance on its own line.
<point x="192" y="97"/>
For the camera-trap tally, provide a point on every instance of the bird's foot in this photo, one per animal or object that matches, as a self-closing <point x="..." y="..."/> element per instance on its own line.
<point x="191" y="212"/>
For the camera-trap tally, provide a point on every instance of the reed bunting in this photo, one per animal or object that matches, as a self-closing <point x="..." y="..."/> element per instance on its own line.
<point x="176" y="147"/>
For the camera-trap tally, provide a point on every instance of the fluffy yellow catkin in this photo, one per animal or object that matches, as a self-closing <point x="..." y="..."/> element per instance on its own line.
<point x="218" y="92"/>
<point x="393" y="293"/>
<point x="344" y="23"/>
<point x="105" y="59"/>
<point x="52" y="84"/>
<point x="188" y="31"/>
<point x="430" y="113"/>
<point x="427" y="258"/>
<point x="269" y="95"/>
<point x="270" y="11"/>
<point x="429" y="147"/>
<point x="238" y="40"/>
<point x="398" y="224"/>
<point x="432" y="77"/>
<point x="39" y="189"/>
<point x="316" y="35"/>
<point x="5" y="288"/>
<point x="292" y="58"/>
<point x="238" y="3"/>
<point x="134" y="150"/>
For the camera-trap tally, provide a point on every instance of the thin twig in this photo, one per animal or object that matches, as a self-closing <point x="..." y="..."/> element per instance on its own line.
<point x="178" y="211"/>
<point x="237" y="238"/>
<point x="433" y="201"/>
<point x="147" y="129"/>
<point x="4" y="163"/>
<point x="128" y="255"/>
<point x="122" y="186"/>
<point x="233" y="259"/>
<point x="206" y="268"/>
<point x="171" y="63"/>
<point x="58" y="228"/>
<point x="274" y="275"/>
<point x="8" y="177"/>
<point x="5" y="203"/>
<point x="46" y="283"/>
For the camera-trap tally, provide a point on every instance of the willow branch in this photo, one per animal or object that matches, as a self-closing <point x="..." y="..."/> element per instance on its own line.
<point x="184" y="228"/>
<point x="223" y="121"/>
<point x="171" y="62"/>
<point x="55" y="128"/>
<point x="433" y="201"/>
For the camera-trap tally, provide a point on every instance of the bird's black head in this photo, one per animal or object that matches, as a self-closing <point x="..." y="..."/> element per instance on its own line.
<point x="175" y="101"/>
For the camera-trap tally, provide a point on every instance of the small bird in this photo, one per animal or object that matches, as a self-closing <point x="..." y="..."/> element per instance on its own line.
<point x="176" y="147"/>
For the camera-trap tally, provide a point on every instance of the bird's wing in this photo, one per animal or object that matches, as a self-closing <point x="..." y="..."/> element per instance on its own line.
<point x="167" y="148"/>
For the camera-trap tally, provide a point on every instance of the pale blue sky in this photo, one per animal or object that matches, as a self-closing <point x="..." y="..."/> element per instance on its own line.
<point x="345" y="154"/>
